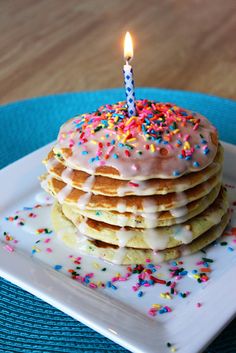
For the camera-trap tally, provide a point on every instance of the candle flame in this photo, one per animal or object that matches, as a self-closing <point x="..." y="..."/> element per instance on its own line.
<point x="128" y="47"/>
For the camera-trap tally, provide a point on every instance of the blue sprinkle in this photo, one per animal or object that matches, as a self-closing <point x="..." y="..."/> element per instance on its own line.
<point x="187" y="158"/>
<point x="180" y="156"/>
<point x="176" y="173"/>
<point x="151" y="282"/>
<point x="113" y="142"/>
<point x="150" y="265"/>
<point x="230" y="249"/>
<point x="84" y="152"/>
<point x="115" y="156"/>
<point x="109" y="284"/>
<point x="203" y="141"/>
<point x="206" y="151"/>
<point x="92" y="160"/>
<point x="113" y="287"/>
<point x="140" y="293"/>
<point x="57" y="267"/>
<point x="196" y="164"/>
<point x="197" y="147"/>
<point x="183" y="273"/>
<point x="194" y="271"/>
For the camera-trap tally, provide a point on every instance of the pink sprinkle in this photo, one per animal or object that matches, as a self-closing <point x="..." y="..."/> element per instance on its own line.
<point x="198" y="305"/>
<point x="92" y="285"/>
<point x="9" y="248"/>
<point x="49" y="250"/>
<point x="15" y="241"/>
<point x="148" y="260"/>
<point x="47" y="240"/>
<point x="186" y="137"/>
<point x="152" y="312"/>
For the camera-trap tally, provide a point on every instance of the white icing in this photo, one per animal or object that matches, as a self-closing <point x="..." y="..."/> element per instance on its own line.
<point x="66" y="175"/>
<point x="84" y="200"/>
<point x="157" y="257"/>
<point x="119" y="255"/>
<point x="157" y="164"/>
<point x="156" y="240"/>
<point x="183" y="234"/>
<point x="122" y="220"/>
<point x="179" y="212"/>
<point x="87" y="186"/>
<point x="51" y="163"/>
<point x="63" y="193"/>
<point x="149" y="205"/>
<point x="124" y="236"/>
<point x="150" y="219"/>
<point x="181" y="199"/>
<point x="121" y="206"/>
<point x="44" y="198"/>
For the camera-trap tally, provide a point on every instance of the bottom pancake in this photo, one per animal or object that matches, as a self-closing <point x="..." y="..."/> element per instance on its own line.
<point x="69" y="234"/>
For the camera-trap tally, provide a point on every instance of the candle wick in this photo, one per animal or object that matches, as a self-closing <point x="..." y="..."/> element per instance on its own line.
<point x="127" y="60"/>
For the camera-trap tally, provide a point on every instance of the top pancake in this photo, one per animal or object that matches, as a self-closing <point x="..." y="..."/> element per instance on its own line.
<point x="100" y="185"/>
<point x="162" y="141"/>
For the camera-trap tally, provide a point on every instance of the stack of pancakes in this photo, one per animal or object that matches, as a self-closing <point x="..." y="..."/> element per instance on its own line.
<point x="129" y="189"/>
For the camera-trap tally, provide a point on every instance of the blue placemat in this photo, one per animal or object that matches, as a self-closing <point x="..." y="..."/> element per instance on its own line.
<point x="28" y="325"/>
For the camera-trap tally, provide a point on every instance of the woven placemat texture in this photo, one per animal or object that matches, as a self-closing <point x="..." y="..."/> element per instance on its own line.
<point x="27" y="324"/>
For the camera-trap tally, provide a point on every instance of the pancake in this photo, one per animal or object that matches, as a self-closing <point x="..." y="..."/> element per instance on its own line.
<point x="67" y="194"/>
<point x="70" y="236"/>
<point x="157" y="238"/>
<point x="101" y="185"/>
<point x="151" y="220"/>
<point x="162" y="141"/>
<point x="127" y="188"/>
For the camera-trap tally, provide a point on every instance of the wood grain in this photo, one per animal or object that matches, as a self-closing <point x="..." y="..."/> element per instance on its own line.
<point x="50" y="46"/>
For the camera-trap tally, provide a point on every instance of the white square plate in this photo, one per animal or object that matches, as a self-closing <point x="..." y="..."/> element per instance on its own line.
<point x="119" y="314"/>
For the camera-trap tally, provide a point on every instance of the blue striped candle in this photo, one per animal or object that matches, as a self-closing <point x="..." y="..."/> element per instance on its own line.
<point x="128" y="76"/>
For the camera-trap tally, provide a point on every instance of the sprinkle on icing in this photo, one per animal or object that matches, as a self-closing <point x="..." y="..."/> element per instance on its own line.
<point x="172" y="141"/>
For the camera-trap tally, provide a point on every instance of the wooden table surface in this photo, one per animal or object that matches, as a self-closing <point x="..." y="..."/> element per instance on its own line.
<point x="50" y="46"/>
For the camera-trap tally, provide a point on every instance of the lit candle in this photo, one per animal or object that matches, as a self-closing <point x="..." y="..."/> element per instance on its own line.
<point x="128" y="75"/>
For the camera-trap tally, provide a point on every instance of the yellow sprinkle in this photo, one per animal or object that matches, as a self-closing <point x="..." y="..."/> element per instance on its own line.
<point x="186" y="145"/>
<point x="152" y="148"/>
<point x="196" y="276"/>
<point x="132" y="139"/>
<point x="116" y="119"/>
<point x="103" y="138"/>
<point x="176" y="131"/>
<point x="129" y="121"/>
<point x="162" y="295"/>
<point x="156" y="306"/>
<point x="173" y="349"/>
<point x="94" y="142"/>
<point x="96" y="265"/>
<point x="36" y="249"/>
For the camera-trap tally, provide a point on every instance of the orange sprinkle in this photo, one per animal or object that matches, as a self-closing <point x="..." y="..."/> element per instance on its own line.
<point x="205" y="269"/>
